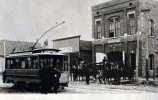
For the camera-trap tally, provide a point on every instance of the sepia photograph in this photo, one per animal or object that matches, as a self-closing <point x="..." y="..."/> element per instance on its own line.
<point x="79" y="49"/>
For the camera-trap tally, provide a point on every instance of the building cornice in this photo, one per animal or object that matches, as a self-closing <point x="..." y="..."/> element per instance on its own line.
<point x="109" y="4"/>
<point x="78" y="36"/>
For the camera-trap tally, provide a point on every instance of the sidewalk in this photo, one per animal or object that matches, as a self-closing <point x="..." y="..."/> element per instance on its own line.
<point x="150" y="82"/>
<point x="128" y="87"/>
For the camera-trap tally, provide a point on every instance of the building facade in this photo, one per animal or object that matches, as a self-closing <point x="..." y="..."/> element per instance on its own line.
<point x="126" y="32"/>
<point x="75" y="48"/>
<point x="7" y="47"/>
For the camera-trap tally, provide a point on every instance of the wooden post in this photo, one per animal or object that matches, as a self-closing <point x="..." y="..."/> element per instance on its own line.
<point x="137" y="54"/>
<point x="4" y="48"/>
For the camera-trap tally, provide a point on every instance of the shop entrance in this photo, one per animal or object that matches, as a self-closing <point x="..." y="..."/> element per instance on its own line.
<point x="133" y="60"/>
<point x="118" y="67"/>
<point x="115" y="57"/>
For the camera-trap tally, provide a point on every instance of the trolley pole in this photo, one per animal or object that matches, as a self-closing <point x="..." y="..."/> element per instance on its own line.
<point x="43" y="34"/>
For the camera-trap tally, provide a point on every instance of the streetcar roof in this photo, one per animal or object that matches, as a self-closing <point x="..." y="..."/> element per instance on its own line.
<point x="36" y="54"/>
<point x="41" y="52"/>
<point x="38" y="51"/>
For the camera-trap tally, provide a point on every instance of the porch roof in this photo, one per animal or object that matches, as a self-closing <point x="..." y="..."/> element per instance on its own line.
<point x="120" y="39"/>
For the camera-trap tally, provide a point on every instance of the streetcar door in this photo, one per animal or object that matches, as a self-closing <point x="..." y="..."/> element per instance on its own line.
<point x="65" y="71"/>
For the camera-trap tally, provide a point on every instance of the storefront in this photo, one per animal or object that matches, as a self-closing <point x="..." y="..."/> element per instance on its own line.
<point x="121" y="50"/>
<point x="75" y="48"/>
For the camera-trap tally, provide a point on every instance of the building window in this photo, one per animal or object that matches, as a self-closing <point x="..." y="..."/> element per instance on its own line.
<point x="118" y="25"/>
<point x="151" y="23"/>
<point x="151" y="61"/>
<point x="98" y="29"/>
<point x="114" y="26"/>
<point x="132" y="22"/>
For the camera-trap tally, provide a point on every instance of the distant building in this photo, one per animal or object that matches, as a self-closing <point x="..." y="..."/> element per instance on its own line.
<point x="117" y="26"/>
<point x="7" y="46"/>
<point x="75" y="48"/>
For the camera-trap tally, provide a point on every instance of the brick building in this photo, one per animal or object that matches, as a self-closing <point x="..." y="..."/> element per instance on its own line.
<point x="126" y="31"/>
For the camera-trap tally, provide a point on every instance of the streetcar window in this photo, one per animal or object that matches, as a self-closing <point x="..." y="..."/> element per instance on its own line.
<point x="45" y="61"/>
<point x="11" y="63"/>
<point x="51" y="62"/>
<point x="48" y="62"/>
<point x="65" y="63"/>
<point x="23" y="64"/>
<point x="8" y="63"/>
<point x="59" y="64"/>
<point x="41" y="63"/>
<point x="16" y="63"/>
<point x="29" y="62"/>
<point x="35" y="63"/>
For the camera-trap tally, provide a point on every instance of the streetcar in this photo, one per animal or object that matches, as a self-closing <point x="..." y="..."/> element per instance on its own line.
<point x="24" y="67"/>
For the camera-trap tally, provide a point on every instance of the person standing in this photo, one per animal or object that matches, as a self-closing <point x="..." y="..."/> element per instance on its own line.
<point x="55" y="79"/>
<point x="87" y="72"/>
<point x="74" y="72"/>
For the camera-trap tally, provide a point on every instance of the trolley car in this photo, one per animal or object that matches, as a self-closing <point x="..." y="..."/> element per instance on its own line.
<point x="25" y="67"/>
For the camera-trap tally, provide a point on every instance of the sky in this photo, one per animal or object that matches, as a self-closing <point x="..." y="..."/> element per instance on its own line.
<point x="26" y="20"/>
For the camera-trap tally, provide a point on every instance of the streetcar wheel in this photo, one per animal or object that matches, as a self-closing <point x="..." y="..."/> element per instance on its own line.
<point x="55" y="89"/>
<point x="62" y="88"/>
<point x="45" y="88"/>
<point x="33" y="86"/>
<point x="19" y="85"/>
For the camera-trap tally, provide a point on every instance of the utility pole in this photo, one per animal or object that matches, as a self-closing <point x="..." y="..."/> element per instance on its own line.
<point x="125" y="53"/>
<point x="137" y="54"/>
<point x="4" y="55"/>
<point x="33" y="47"/>
<point x="146" y="13"/>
